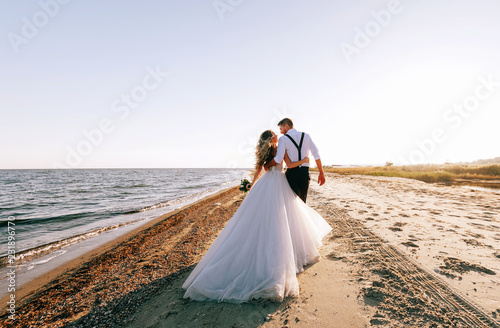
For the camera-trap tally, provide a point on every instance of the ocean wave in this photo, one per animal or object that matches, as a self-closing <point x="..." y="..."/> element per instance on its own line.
<point x="141" y="185"/>
<point x="58" y="253"/>
<point x="59" y="218"/>
<point x="88" y="215"/>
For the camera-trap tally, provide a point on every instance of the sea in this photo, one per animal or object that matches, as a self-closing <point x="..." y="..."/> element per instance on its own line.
<point x="52" y="216"/>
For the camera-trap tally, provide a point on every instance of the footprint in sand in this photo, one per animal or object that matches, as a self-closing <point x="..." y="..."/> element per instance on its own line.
<point x="490" y="227"/>
<point x="397" y="226"/>
<point x="475" y="243"/>
<point x="334" y="257"/>
<point x="438" y="227"/>
<point x="461" y="266"/>
<point x="476" y="235"/>
<point x="409" y="244"/>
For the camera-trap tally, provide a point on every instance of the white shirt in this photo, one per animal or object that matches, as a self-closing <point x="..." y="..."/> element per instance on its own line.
<point x="286" y="145"/>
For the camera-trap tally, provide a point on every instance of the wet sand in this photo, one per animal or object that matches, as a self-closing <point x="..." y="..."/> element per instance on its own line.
<point x="377" y="266"/>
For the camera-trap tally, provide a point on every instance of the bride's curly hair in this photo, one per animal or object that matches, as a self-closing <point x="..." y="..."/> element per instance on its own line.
<point x="265" y="150"/>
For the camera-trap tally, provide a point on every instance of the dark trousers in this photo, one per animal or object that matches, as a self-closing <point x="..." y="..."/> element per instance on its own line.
<point x="298" y="179"/>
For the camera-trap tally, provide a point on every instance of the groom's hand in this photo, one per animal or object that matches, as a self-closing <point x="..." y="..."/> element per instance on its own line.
<point x="321" y="178"/>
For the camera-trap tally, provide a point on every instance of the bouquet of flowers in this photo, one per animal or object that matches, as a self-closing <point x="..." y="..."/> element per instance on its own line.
<point x="245" y="185"/>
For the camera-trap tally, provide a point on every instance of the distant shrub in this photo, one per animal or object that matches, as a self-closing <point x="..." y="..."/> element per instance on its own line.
<point x="444" y="173"/>
<point x="445" y="177"/>
<point x="489" y="169"/>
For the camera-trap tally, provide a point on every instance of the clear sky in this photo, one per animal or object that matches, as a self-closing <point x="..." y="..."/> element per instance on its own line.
<point x="193" y="83"/>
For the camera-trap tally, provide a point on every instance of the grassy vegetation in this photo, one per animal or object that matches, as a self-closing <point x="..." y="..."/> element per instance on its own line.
<point x="479" y="175"/>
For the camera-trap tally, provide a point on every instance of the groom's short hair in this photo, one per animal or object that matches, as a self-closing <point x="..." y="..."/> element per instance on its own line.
<point x="286" y="121"/>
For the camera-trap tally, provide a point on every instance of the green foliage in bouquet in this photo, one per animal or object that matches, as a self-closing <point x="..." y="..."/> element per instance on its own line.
<point x="245" y="185"/>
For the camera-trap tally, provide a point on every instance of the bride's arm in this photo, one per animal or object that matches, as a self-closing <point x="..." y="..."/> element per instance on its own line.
<point x="291" y="164"/>
<point x="256" y="175"/>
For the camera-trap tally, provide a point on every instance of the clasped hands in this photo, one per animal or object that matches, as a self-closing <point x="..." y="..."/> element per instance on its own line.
<point x="273" y="162"/>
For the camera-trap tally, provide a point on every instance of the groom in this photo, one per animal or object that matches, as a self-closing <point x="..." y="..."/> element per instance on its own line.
<point x="297" y="145"/>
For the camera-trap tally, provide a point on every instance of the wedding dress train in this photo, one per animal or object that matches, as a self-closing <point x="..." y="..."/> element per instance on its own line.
<point x="269" y="239"/>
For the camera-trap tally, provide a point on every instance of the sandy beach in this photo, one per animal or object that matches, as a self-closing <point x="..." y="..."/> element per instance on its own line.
<point x="402" y="253"/>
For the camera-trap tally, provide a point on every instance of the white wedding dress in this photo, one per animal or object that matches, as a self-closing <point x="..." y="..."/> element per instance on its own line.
<point x="269" y="239"/>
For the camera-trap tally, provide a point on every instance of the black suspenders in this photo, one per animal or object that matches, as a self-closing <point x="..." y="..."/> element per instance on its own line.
<point x="299" y="146"/>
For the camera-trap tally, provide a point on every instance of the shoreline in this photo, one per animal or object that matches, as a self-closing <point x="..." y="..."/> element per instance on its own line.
<point x="186" y="200"/>
<point x="34" y="285"/>
<point x="78" y="205"/>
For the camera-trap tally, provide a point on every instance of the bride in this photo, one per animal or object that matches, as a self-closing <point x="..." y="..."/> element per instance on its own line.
<point x="269" y="239"/>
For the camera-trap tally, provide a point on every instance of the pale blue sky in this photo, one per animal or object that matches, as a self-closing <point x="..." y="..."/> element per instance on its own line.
<point x="231" y="69"/>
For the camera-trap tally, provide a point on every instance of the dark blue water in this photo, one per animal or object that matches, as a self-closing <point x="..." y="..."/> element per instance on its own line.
<point x="53" y="205"/>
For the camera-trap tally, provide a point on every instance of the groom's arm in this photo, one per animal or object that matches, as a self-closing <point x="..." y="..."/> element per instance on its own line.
<point x="268" y="165"/>
<point x="315" y="153"/>
<point x="321" y="177"/>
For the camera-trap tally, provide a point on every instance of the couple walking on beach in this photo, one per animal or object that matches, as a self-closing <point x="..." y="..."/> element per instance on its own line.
<point x="272" y="235"/>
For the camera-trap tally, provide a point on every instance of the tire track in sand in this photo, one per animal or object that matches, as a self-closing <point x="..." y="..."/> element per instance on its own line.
<point x="405" y="291"/>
